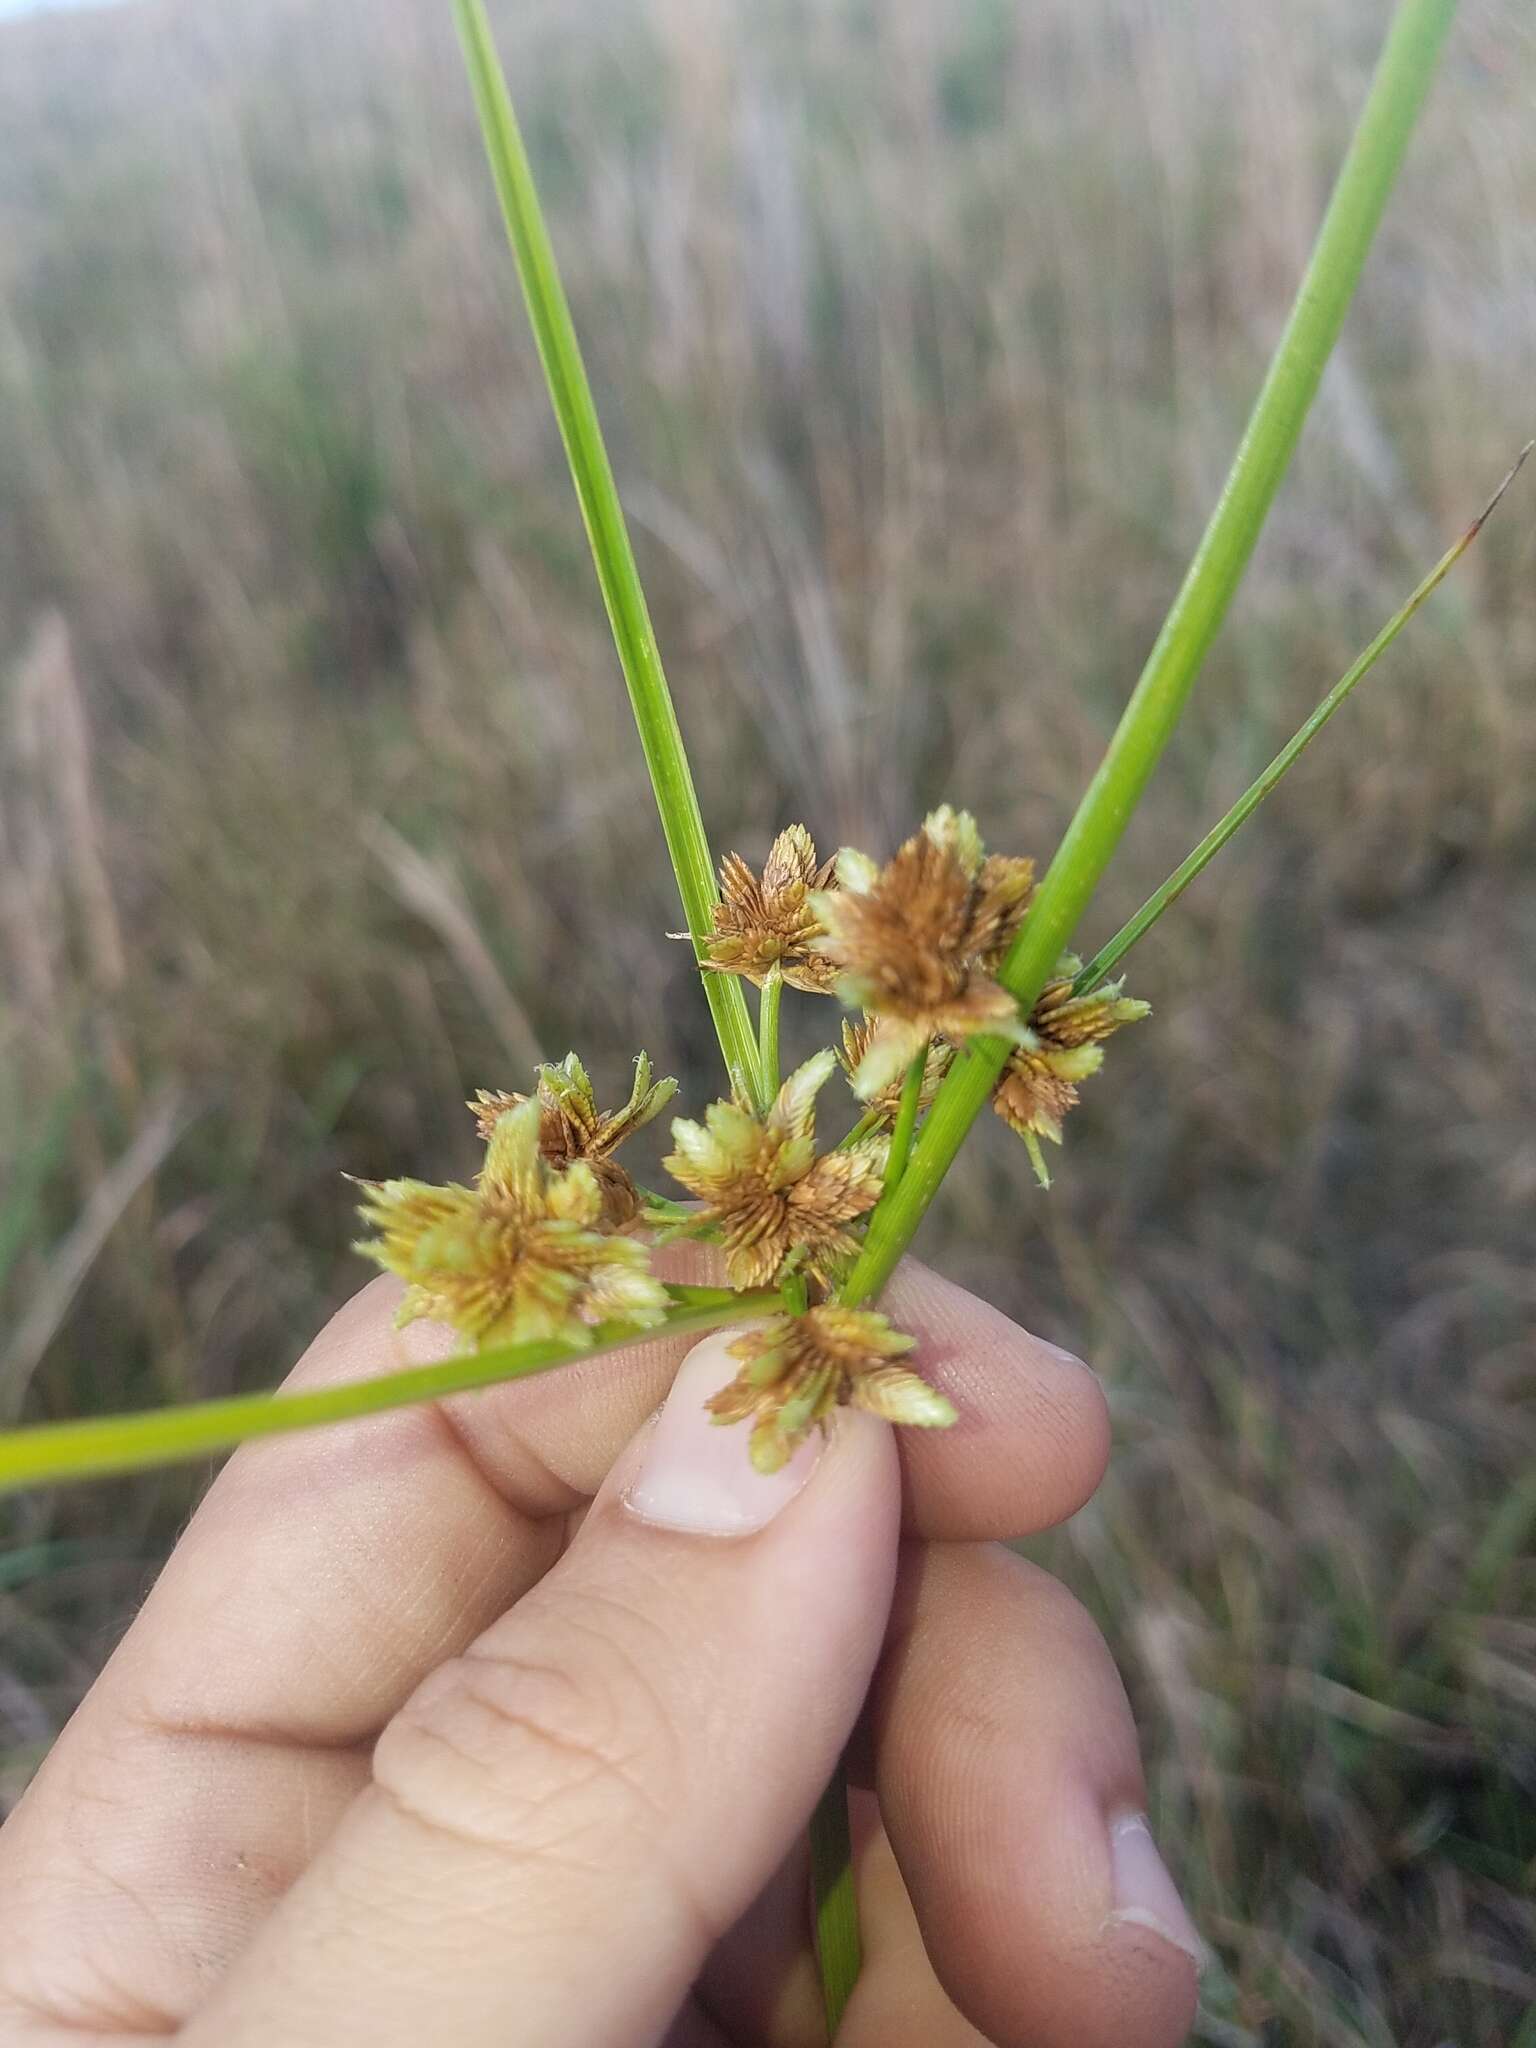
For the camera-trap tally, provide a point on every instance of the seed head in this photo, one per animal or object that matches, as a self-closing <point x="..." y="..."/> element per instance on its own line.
<point x="913" y="942"/>
<point x="764" y="1187"/>
<point x="519" y="1257"/>
<point x="765" y="921"/>
<point x="572" y="1127"/>
<point x="797" y="1368"/>
<point x="1063" y="1045"/>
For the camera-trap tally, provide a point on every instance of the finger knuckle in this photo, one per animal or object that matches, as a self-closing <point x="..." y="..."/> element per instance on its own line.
<point x="541" y="1747"/>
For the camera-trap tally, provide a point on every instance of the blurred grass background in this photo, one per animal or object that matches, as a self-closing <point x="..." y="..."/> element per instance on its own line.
<point x="923" y="337"/>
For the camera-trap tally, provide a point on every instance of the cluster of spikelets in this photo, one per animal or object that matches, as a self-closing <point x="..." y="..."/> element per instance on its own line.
<point x="552" y="1243"/>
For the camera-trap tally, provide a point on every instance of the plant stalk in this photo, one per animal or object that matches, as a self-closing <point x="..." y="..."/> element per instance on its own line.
<point x="1365" y="179"/>
<point x="768" y="1031"/>
<point x="571" y="395"/>
<point x="839" y="1951"/>
<point x="906" y="1123"/>
<point x="51" y="1452"/>
<point x="1110" y="955"/>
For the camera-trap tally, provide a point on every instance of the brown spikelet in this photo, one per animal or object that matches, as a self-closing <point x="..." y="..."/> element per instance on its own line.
<point x="797" y="1368"/>
<point x="519" y="1257"/>
<point x="765" y="921"/>
<point x="764" y="1188"/>
<point x="572" y="1127"/>
<point x="857" y="1038"/>
<point x="913" y="943"/>
<point x="1063" y="1045"/>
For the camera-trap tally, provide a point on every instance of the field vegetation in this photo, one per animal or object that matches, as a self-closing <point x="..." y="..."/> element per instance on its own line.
<point x="922" y="337"/>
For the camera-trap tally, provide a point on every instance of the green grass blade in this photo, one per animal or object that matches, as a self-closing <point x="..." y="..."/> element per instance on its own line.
<point x="571" y="395"/>
<point x="51" y="1452"/>
<point x="1365" y="179"/>
<point x="1110" y="955"/>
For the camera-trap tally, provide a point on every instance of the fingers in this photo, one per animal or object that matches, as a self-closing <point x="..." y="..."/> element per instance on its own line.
<point x="565" y="1819"/>
<point x="1032" y="1437"/>
<point x="327" y="1573"/>
<point x="1011" y="1788"/>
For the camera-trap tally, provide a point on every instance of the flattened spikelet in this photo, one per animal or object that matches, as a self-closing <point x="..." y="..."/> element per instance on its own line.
<point x="1063" y="1045"/>
<point x="915" y="943"/>
<point x="572" y="1127"/>
<point x="517" y="1258"/>
<point x="765" y="1189"/>
<point x="765" y="921"/>
<point x="797" y="1368"/>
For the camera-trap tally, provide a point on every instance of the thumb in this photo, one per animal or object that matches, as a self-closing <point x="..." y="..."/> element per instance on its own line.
<point x="565" y="1819"/>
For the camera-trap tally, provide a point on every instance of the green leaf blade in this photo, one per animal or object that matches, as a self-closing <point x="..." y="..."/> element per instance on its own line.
<point x="618" y="576"/>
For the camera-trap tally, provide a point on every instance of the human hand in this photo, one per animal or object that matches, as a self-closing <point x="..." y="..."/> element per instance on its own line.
<point x="434" y="1731"/>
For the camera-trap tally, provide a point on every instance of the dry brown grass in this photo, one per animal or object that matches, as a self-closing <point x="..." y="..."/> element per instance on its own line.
<point x="923" y="336"/>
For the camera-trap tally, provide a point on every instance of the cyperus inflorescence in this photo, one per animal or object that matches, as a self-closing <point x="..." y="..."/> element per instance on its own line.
<point x="764" y="1188"/>
<point x="858" y="1034"/>
<point x="796" y="1369"/>
<point x="914" y="943"/>
<point x="572" y="1127"/>
<point x="1062" y="1045"/>
<point x="550" y="1242"/>
<point x="767" y="921"/>
<point x="519" y="1257"/>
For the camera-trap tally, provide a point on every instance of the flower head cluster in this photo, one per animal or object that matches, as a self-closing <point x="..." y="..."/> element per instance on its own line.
<point x="797" y="1368"/>
<point x="766" y="921"/>
<point x="520" y="1257"/>
<point x="915" y="942"/>
<point x="1062" y="1046"/>
<point x="572" y="1127"/>
<point x="764" y="1188"/>
<point x="537" y="1249"/>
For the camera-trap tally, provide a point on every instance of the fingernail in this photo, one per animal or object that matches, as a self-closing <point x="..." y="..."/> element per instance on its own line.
<point x="696" y="1474"/>
<point x="1145" y="1895"/>
<point x="1065" y="1357"/>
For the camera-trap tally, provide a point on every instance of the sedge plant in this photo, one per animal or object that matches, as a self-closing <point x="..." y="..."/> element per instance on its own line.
<point x="953" y="964"/>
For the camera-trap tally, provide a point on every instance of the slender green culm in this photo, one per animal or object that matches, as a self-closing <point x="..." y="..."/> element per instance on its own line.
<point x="1365" y="179"/>
<point x="49" y="1453"/>
<point x="1109" y="956"/>
<point x="871" y="1120"/>
<point x="839" y="1950"/>
<point x="906" y="1121"/>
<point x="571" y="395"/>
<point x="768" y="1031"/>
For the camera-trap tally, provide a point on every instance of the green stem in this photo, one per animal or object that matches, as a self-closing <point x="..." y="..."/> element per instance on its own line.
<point x="571" y="395"/>
<point x="50" y="1452"/>
<point x="1365" y="179"/>
<point x="839" y="1951"/>
<point x="906" y="1123"/>
<point x="834" y="1898"/>
<point x="1110" y="955"/>
<point x="768" y="1031"/>
<point x="871" y="1120"/>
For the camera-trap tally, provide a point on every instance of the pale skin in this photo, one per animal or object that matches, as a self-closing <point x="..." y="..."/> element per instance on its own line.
<point x="426" y="1734"/>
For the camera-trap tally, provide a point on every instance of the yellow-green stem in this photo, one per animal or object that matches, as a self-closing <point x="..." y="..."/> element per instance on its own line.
<point x="51" y="1452"/>
<point x="871" y="1120"/>
<point x="839" y="1950"/>
<point x="1365" y="179"/>
<point x="768" y="1031"/>
<point x="906" y="1123"/>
